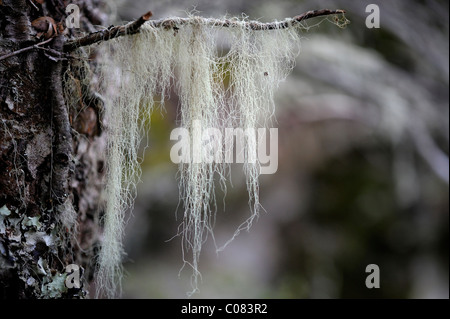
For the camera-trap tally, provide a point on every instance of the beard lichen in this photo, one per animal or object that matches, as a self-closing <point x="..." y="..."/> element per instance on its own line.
<point x="143" y="66"/>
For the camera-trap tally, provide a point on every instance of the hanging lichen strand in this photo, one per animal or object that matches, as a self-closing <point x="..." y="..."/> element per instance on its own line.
<point x="141" y="67"/>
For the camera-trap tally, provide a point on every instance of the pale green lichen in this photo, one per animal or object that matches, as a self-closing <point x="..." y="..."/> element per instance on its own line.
<point x="32" y="222"/>
<point x="54" y="286"/>
<point x="4" y="212"/>
<point x="8" y="221"/>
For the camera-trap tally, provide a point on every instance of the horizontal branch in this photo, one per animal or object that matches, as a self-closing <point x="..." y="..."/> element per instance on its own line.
<point x="134" y="27"/>
<point x="253" y="25"/>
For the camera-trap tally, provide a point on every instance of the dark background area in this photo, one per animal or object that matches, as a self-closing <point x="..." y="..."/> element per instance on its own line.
<point x="363" y="166"/>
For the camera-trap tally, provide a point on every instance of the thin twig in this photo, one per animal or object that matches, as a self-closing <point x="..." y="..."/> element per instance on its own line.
<point x="32" y="3"/>
<point x="56" y="54"/>
<point x="107" y="34"/>
<point x="133" y="27"/>
<point x="31" y="47"/>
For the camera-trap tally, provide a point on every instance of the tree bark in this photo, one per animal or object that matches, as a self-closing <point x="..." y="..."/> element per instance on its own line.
<point x="51" y="157"/>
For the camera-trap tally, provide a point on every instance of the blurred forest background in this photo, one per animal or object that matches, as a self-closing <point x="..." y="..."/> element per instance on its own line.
<point x="363" y="173"/>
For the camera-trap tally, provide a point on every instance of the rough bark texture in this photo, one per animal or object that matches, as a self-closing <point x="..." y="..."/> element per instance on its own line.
<point x="51" y="158"/>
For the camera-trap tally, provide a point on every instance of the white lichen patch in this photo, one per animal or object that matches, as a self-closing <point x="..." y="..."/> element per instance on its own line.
<point x="37" y="151"/>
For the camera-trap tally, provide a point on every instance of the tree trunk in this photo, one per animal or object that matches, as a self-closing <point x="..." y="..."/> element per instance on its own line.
<point x="51" y="158"/>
